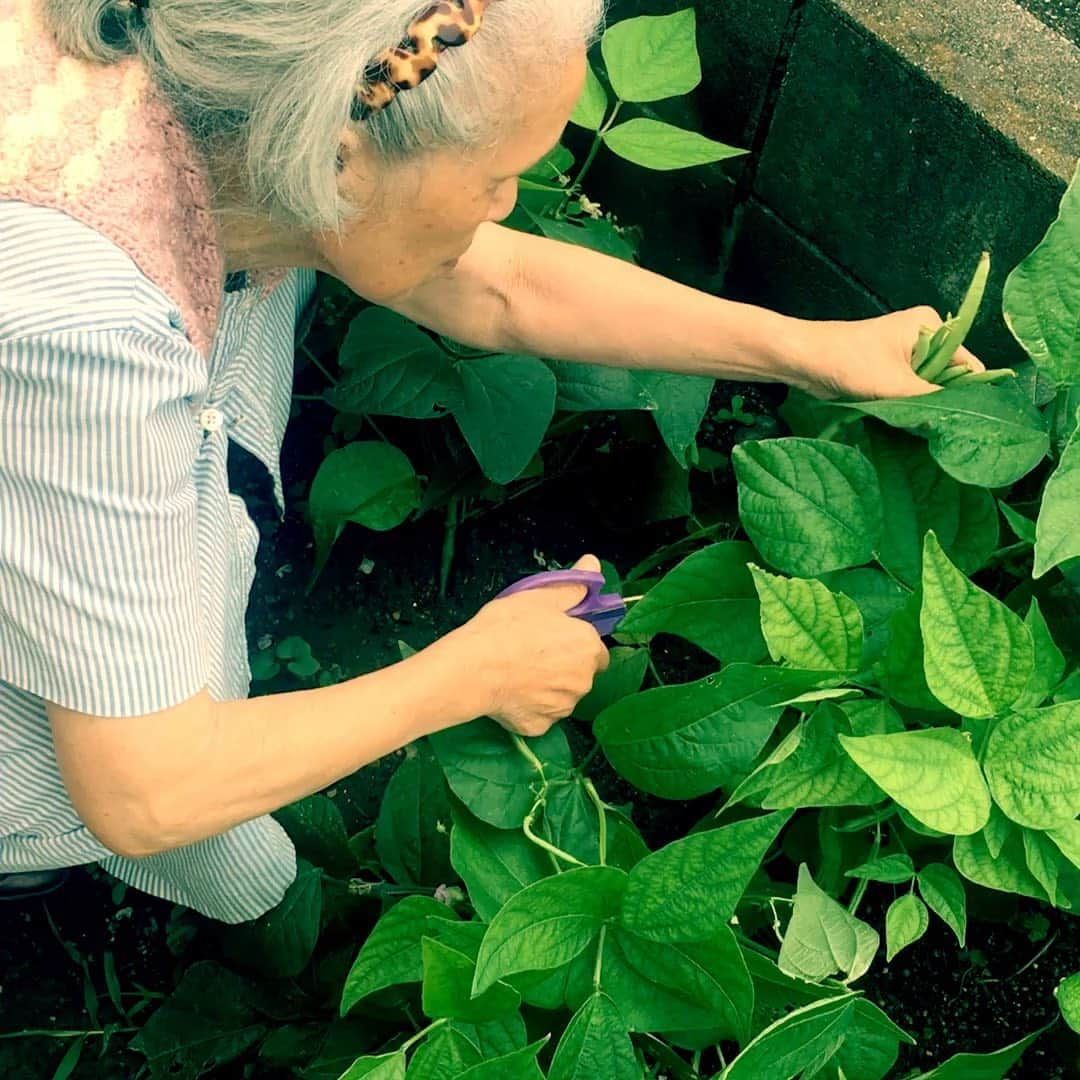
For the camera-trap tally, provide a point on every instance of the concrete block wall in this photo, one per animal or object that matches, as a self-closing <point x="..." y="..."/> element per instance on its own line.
<point x="892" y="141"/>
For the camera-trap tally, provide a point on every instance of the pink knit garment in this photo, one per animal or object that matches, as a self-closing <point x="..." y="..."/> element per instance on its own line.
<point x="99" y="143"/>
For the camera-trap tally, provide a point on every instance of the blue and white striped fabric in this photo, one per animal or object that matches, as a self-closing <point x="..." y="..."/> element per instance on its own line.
<point x="125" y="562"/>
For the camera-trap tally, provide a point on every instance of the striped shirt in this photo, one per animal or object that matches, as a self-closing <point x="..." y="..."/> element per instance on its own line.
<point x="125" y="562"/>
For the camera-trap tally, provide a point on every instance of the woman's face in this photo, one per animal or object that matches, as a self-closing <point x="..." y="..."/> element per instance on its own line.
<point x="423" y="214"/>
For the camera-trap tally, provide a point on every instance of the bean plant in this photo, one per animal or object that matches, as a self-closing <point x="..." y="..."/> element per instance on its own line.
<point x="891" y="710"/>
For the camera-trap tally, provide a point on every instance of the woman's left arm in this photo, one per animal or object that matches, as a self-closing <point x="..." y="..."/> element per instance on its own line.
<point x="516" y="293"/>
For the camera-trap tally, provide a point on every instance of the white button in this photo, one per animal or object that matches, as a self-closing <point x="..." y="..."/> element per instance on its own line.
<point x="211" y="419"/>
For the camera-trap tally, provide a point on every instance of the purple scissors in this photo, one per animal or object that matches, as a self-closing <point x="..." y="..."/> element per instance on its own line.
<point x="604" y="612"/>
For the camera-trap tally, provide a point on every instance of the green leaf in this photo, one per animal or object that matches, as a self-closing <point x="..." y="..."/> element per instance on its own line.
<point x="688" y="889"/>
<point x="890" y="869"/>
<point x="280" y="943"/>
<point x="547" y="924"/>
<point x="978" y="655"/>
<point x="597" y="388"/>
<point x="993" y="1066"/>
<point x="392" y="954"/>
<point x="901" y="668"/>
<point x="708" y="599"/>
<point x="393" y="368"/>
<point x="412" y="832"/>
<point x="987" y="436"/>
<point x="493" y="1038"/>
<point x="822" y="938"/>
<point x="1032" y="764"/>
<point x="597" y="234"/>
<point x="1068" y="999"/>
<point x="878" y="598"/>
<point x="493" y="863"/>
<point x="595" y="1044"/>
<point x="651" y="57"/>
<point x="665" y="147"/>
<point x="819" y="772"/>
<point x="1022" y="526"/>
<point x="808" y="626"/>
<point x="447" y="1051"/>
<point x="701" y="986"/>
<point x="933" y="774"/>
<point x="370" y="483"/>
<point x="383" y="1067"/>
<point x="906" y="921"/>
<point x="519" y="1065"/>
<point x="205" y="1023"/>
<point x="70" y="1061"/>
<point x="507" y="404"/>
<point x="996" y="831"/>
<point x="943" y="892"/>
<point x="1005" y="872"/>
<point x="1042" y="296"/>
<point x="1056" y="535"/>
<point x="1045" y="862"/>
<point x="448" y="978"/>
<point x="872" y="1045"/>
<point x="623" y="677"/>
<point x="317" y="829"/>
<point x="808" y="507"/>
<point x="682" y="741"/>
<point x="798" y="1044"/>
<point x="917" y="496"/>
<point x="681" y="404"/>
<point x="1049" y="660"/>
<point x="489" y="776"/>
<point x="592" y="106"/>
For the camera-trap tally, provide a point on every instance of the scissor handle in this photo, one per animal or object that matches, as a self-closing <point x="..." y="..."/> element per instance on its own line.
<point x="604" y="612"/>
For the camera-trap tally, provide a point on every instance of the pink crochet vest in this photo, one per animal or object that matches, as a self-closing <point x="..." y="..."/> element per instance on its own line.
<point x="98" y="143"/>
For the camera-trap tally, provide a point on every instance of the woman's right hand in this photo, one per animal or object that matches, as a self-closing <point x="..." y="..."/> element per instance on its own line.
<point x="535" y="661"/>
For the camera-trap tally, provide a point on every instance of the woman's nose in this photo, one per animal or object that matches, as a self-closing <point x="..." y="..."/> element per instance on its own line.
<point x="505" y="200"/>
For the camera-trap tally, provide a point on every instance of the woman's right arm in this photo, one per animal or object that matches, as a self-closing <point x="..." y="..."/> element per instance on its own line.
<point x="151" y="783"/>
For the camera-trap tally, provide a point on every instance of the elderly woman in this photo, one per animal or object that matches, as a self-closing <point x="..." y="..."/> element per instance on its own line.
<point x="161" y="161"/>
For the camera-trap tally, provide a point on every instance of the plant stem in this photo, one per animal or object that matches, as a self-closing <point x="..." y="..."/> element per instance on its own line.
<point x="588" y="758"/>
<point x="423" y="1033"/>
<point x="860" y="889"/>
<point x="525" y="751"/>
<point x="375" y="427"/>
<point x="453" y="519"/>
<point x="654" y="672"/>
<point x="46" y="1033"/>
<point x="590" y="790"/>
<point x="599" y="966"/>
<point x="663" y="1053"/>
<point x="665" y="553"/>
<point x="318" y="363"/>
<point x="595" y="148"/>
<point x="356" y="887"/>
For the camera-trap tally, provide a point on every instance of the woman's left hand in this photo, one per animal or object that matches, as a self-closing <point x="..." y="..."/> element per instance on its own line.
<point x="869" y="358"/>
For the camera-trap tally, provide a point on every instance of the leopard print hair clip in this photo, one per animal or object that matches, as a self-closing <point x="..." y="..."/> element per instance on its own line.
<point x="444" y="25"/>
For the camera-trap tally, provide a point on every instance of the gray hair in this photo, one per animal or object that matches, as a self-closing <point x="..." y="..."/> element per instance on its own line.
<point x="270" y="82"/>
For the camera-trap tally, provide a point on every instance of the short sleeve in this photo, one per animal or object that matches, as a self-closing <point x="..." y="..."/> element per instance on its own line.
<point x="99" y="567"/>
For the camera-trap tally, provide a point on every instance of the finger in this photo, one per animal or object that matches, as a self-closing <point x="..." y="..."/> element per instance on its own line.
<point x="565" y="597"/>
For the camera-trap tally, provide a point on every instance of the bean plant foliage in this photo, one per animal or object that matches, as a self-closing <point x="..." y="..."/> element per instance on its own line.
<point x="893" y="647"/>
